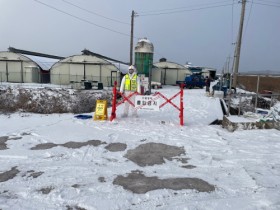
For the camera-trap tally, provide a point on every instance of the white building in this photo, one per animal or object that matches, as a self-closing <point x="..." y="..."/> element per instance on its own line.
<point x="78" y="68"/>
<point x="167" y="73"/>
<point x="21" y="68"/>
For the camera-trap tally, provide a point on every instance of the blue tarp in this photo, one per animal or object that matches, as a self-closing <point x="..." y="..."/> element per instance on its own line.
<point x="83" y="116"/>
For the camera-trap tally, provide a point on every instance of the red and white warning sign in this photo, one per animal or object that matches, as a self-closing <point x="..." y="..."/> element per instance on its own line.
<point x="148" y="102"/>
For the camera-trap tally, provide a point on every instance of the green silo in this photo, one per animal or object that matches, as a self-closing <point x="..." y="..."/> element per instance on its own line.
<point x="144" y="52"/>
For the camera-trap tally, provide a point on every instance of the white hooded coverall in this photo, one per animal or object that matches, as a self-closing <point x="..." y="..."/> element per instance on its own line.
<point x="127" y="93"/>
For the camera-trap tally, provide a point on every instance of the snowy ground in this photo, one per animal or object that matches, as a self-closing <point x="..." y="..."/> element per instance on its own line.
<point x="243" y="166"/>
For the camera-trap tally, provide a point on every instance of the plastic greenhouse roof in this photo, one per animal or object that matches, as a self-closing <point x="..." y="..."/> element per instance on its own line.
<point x="122" y="67"/>
<point x="43" y="62"/>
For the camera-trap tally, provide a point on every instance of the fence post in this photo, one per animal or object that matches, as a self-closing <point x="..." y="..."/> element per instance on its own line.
<point x="114" y="101"/>
<point x="228" y="102"/>
<point x="59" y="79"/>
<point x="182" y="105"/>
<point x="271" y="98"/>
<point x="239" y="105"/>
<point x="257" y="93"/>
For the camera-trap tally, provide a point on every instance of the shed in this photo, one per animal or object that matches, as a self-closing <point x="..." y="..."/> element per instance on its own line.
<point x="170" y="72"/>
<point x="205" y="71"/>
<point x="78" y="68"/>
<point x="209" y="72"/>
<point x="17" y="67"/>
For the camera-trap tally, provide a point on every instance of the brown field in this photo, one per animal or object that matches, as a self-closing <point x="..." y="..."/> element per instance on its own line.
<point x="270" y="83"/>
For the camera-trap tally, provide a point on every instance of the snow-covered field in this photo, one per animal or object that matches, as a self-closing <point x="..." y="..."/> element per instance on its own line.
<point x="243" y="166"/>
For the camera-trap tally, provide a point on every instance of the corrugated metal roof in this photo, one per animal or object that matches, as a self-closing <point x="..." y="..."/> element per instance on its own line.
<point x="43" y="62"/>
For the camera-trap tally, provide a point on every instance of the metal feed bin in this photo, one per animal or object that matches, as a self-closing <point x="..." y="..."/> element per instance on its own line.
<point x="144" y="52"/>
<point x="100" y="86"/>
<point x="88" y="85"/>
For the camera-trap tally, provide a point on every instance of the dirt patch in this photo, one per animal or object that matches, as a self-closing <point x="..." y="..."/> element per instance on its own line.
<point x="9" y="174"/>
<point x="140" y="184"/>
<point x="46" y="190"/>
<point x="116" y="147"/>
<point x="71" y="144"/>
<point x="5" y="191"/>
<point x="14" y="138"/>
<point x="33" y="174"/>
<point x="76" y="186"/>
<point x="101" y="179"/>
<point x="74" y="208"/>
<point x="75" y="145"/>
<point x="7" y="195"/>
<point x="36" y="174"/>
<point x="4" y="139"/>
<point x="44" y="146"/>
<point x="153" y="153"/>
<point x="182" y="160"/>
<point x="25" y="134"/>
<point x="188" y="166"/>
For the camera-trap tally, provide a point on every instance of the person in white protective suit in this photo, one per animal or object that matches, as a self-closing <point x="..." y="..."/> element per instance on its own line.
<point x="130" y="83"/>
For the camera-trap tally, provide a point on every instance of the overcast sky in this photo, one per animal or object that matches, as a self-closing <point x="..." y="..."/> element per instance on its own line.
<point x="197" y="31"/>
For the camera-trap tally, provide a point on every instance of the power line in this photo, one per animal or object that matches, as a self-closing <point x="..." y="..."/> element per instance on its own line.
<point x="81" y="19"/>
<point x="186" y="10"/>
<point x="249" y="17"/>
<point x="271" y="5"/>
<point x="232" y="12"/>
<point x="91" y="12"/>
<point x="180" y="8"/>
<point x="268" y="1"/>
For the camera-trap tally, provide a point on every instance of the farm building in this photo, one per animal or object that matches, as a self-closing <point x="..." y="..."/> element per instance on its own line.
<point x="121" y="66"/>
<point x="24" y="68"/>
<point x="209" y="72"/>
<point x="89" y="67"/>
<point x="169" y="72"/>
<point x="205" y="71"/>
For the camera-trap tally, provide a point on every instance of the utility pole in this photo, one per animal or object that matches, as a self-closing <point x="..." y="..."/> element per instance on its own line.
<point x="131" y="37"/>
<point x="238" y="45"/>
<point x="228" y="63"/>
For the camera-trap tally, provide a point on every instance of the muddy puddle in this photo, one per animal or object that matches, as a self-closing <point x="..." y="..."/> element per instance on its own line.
<point x="138" y="183"/>
<point x="116" y="147"/>
<point x="150" y="154"/>
<point x="7" y="175"/>
<point x="71" y="144"/>
<point x="74" y="208"/>
<point x="4" y="139"/>
<point x="46" y="190"/>
<point x="153" y="153"/>
<point x="33" y="174"/>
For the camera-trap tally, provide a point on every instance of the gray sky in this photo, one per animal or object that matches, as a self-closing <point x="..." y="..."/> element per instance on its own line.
<point x="198" y="31"/>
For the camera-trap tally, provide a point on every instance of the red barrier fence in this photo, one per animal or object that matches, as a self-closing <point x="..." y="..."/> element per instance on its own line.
<point x="127" y="98"/>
